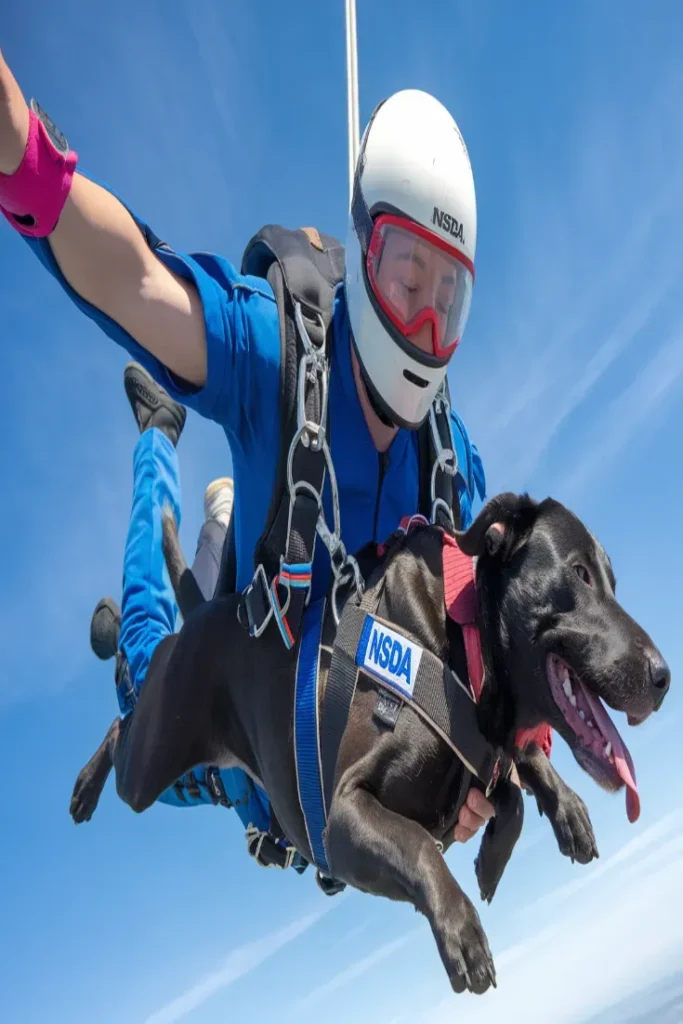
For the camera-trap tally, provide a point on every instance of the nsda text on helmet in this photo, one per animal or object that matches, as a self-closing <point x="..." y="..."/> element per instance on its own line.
<point x="449" y="224"/>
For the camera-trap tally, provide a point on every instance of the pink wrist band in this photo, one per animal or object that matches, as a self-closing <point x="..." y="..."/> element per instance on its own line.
<point x="33" y="198"/>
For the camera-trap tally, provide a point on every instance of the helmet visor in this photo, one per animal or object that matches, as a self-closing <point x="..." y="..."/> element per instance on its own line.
<point x="422" y="284"/>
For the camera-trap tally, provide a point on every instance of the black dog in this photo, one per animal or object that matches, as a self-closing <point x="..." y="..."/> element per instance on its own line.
<point x="555" y="643"/>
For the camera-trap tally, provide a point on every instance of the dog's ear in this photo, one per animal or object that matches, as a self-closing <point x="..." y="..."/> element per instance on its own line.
<point x="500" y="527"/>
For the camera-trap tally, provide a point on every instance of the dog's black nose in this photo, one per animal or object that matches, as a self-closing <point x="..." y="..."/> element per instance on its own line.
<point x="660" y="676"/>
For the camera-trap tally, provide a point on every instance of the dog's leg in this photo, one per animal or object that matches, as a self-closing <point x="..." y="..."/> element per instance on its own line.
<point x="91" y="779"/>
<point x="565" y="811"/>
<point x="502" y="832"/>
<point x="160" y="740"/>
<point x="382" y="853"/>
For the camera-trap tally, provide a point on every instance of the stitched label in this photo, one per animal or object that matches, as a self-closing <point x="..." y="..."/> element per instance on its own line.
<point x="391" y="657"/>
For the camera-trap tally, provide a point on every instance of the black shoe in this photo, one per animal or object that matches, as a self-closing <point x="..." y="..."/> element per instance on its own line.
<point x="105" y="627"/>
<point x="151" y="406"/>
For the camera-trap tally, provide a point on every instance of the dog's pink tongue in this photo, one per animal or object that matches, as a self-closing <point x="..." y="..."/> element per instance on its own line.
<point x="622" y="757"/>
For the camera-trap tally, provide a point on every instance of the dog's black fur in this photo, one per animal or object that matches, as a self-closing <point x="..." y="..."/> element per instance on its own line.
<point x="213" y="695"/>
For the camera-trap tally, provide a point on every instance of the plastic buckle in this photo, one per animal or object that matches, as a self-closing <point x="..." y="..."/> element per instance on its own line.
<point x="215" y="786"/>
<point x="267" y="852"/>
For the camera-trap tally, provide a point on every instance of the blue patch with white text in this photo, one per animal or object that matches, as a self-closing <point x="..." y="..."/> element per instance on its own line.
<point x="391" y="657"/>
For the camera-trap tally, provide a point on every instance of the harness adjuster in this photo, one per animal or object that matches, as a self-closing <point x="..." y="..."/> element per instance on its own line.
<point x="267" y="851"/>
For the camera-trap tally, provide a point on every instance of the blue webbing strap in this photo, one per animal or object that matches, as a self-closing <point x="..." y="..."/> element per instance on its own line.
<point x="306" y="733"/>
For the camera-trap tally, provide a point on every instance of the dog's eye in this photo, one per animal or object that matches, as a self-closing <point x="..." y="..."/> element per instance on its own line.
<point x="583" y="574"/>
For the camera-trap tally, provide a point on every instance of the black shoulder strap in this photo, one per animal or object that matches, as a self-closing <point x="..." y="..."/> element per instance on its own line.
<point x="444" y="490"/>
<point x="303" y="268"/>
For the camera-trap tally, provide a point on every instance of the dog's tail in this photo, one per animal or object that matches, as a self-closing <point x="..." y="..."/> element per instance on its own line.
<point x="185" y="587"/>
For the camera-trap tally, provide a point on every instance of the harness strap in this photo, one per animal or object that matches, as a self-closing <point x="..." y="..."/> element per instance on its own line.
<point x="339" y="691"/>
<point x="306" y="733"/>
<point x="303" y="268"/>
<point x="461" y="606"/>
<point x="190" y="785"/>
<point x="432" y="689"/>
<point x="438" y="465"/>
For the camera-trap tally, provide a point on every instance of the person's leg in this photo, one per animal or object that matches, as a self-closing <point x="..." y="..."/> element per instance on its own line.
<point x="218" y="502"/>
<point x="193" y="789"/>
<point x="148" y="607"/>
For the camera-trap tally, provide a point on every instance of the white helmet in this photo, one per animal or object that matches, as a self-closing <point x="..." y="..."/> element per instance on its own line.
<point x="410" y="252"/>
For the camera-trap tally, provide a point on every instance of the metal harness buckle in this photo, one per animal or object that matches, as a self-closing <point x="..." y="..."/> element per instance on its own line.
<point x="311" y="434"/>
<point x="446" y="458"/>
<point x="259" y="580"/>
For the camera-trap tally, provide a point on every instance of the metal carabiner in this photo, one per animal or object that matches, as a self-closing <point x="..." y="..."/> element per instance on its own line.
<point x="349" y="572"/>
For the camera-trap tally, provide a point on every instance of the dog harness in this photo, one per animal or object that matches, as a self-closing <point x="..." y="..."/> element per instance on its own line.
<point x="405" y="673"/>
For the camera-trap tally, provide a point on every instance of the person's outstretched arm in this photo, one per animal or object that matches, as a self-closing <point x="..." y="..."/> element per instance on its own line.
<point x="105" y="258"/>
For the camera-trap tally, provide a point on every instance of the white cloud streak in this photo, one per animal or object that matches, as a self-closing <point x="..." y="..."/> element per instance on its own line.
<point x="352" y="972"/>
<point x="237" y="964"/>
<point x="630" y="413"/>
<point x="622" y="935"/>
<point x="594" y="279"/>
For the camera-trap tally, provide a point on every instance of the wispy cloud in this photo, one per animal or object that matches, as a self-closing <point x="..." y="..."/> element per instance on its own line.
<point x="634" y="848"/>
<point x="630" y="412"/>
<point x="237" y="964"/>
<point x="593" y="947"/>
<point x="588" y="273"/>
<point x="351" y="973"/>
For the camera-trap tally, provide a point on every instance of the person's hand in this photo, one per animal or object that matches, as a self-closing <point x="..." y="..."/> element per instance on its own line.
<point x="474" y="813"/>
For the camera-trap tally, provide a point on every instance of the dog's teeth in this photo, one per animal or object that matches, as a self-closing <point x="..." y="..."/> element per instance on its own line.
<point x="567" y="687"/>
<point x="572" y="700"/>
<point x="608" y="750"/>
<point x="590" y="724"/>
<point x="582" y="715"/>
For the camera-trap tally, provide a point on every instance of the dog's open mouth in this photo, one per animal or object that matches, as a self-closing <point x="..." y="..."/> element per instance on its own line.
<point x="601" y="750"/>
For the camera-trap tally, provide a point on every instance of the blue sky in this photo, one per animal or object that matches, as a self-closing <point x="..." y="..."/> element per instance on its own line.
<point x="213" y="119"/>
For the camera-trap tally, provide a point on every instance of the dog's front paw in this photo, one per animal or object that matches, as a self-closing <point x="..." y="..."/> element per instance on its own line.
<point x="489" y="874"/>
<point x="573" y="829"/>
<point x="500" y="837"/>
<point x="465" y="950"/>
